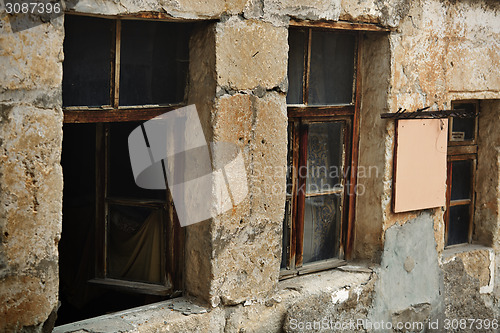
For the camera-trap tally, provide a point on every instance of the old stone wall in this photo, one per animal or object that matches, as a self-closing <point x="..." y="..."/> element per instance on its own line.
<point x="30" y="173"/>
<point x="436" y="51"/>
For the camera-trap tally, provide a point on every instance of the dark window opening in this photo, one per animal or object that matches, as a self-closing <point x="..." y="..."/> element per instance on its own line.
<point x="121" y="245"/>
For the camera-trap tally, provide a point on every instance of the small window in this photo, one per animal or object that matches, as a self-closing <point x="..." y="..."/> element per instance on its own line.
<point x="121" y="244"/>
<point x="322" y="111"/>
<point x="462" y="161"/>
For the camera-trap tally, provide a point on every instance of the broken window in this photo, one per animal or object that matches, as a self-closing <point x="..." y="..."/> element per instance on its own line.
<point x="323" y="116"/>
<point x="462" y="161"/>
<point x="121" y="244"/>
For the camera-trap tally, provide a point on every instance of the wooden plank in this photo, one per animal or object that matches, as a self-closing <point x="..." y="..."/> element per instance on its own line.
<point x="354" y="156"/>
<point x="338" y="25"/>
<point x="116" y="81"/>
<point x="139" y="287"/>
<point x="320" y="111"/>
<point x="448" y="198"/>
<point x="472" y="199"/>
<point x="317" y="194"/>
<point x="303" y="132"/>
<point x="461" y="150"/>
<point x="293" y="233"/>
<point x="461" y="202"/>
<point x="307" y="68"/>
<point x="136" y="202"/>
<point x="115" y="115"/>
<point x="321" y="265"/>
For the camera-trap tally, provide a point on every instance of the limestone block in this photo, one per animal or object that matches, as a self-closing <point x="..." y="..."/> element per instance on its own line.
<point x="249" y="236"/>
<point x="360" y="11"/>
<point x="304" y="9"/>
<point x="30" y="214"/>
<point x="269" y="156"/>
<point x="31" y="62"/>
<point x="250" y="54"/>
<point x="188" y="9"/>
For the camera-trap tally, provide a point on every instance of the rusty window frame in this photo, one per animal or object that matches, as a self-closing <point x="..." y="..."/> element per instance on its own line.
<point x="298" y="116"/>
<point x="173" y="235"/>
<point x="461" y="151"/>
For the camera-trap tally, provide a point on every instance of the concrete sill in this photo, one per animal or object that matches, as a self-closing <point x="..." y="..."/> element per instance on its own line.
<point x="478" y="261"/>
<point x="183" y="315"/>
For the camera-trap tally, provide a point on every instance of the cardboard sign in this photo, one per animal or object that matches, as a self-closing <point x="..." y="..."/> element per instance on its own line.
<point x="420" y="164"/>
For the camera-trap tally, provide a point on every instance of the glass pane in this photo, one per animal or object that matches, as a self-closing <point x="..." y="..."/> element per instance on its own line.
<point x="325" y="146"/>
<point x="296" y="44"/>
<point x="461" y="175"/>
<point x="154" y="62"/>
<point x="87" y="61"/>
<point x="458" y="225"/>
<point x="321" y="227"/>
<point x="463" y="127"/>
<point x="134" y="244"/>
<point x="121" y="182"/>
<point x="332" y="68"/>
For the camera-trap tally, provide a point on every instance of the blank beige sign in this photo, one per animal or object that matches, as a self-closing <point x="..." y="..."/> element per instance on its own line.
<point x="420" y="173"/>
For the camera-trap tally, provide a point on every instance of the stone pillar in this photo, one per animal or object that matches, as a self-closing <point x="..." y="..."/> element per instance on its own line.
<point x="235" y="256"/>
<point x="30" y="174"/>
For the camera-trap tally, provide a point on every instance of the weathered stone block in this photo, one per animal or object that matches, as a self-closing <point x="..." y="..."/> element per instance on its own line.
<point x="188" y="9"/>
<point x="249" y="236"/>
<point x="30" y="211"/>
<point x="250" y="54"/>
<point x="304" y="9"/>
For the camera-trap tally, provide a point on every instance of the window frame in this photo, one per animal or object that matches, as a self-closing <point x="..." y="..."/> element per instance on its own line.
<point x="299" y="114"/>
<point x="173" y="235"/>
<point x="461" y="151"/>
<point x="115" y="112"/>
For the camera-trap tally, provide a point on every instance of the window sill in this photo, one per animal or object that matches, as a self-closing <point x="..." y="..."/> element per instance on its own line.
<point x="182" y="314"/>
<point x="140" y="287"/>
<point x="312" y="268"/>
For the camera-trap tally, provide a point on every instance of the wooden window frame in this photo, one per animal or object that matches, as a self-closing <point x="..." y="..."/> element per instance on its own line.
<point x="300" y="114"/>
<point x="461" y="151"/>
<point x="173" y="235"/>
<point x="115" y="112"/>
